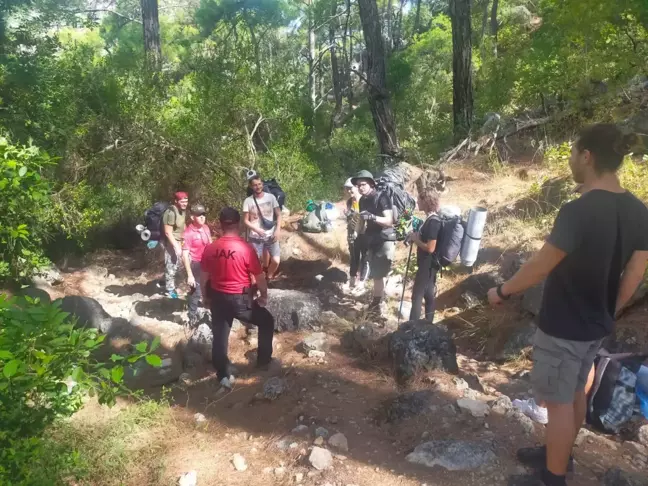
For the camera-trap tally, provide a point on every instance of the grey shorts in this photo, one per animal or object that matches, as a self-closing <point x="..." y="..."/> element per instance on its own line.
<point x="380" y="259"/>
<point x="560" y="367"/>
<point x="272" y="247"/>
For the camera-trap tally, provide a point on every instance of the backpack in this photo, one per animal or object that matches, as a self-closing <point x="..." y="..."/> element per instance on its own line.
<point x="612" y="398"/>
<point x="392" y="183"/>
<point x="451" y="235"/>
<point x="271" y="186"/>
<point x="153" y="220"/>
<point x="311" y="223"/>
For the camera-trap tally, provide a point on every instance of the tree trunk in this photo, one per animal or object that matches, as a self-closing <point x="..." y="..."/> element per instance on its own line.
<point x="483" y="28"/>
<point x="151" y="23"/>
<point x="312" y="86"/>
<point x="390" y="28"/>
<point x="379" y="100"/>
<point x="462" y="96"/>
<point x="255" y="46"/>
<point x="417" y="18"/>
<point x="335" y="69"/>
<point x="494" y="26"/>
<point x="348" y="54"/>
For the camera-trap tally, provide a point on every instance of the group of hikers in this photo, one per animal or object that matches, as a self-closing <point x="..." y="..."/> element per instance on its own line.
<point x="592" y="263"/>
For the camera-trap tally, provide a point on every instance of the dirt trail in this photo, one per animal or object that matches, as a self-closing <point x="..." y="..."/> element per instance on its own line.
<point x="346" y="391"/>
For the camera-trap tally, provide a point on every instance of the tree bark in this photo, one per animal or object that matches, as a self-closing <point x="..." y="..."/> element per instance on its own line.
<point x="494" y="25"/>
<point x="312" y="85"/>
<point x="347" y="47"/>
<point x="390" y="28"/>
<point x="417" y="18"/>
<point x="376" y="79"/>
<point x="335" y="69"/>
<point x="462" y="96"/>
<point x="151" y="23"/>
<point x="483" y="28"/>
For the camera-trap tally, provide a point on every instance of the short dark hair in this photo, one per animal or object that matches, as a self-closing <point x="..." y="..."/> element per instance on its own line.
<point x="607" y="144"/>
<point x="229" y="217"/>
<point x="256" y="177"/>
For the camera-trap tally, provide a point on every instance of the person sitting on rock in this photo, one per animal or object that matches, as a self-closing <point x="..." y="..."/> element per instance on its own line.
<point x="376" y="210"/>
<point x="196" y="238"/>
<point x="425" y="240"/>
<point x="228" y="265"/>
<point x="173" y="220"/>
<point x="593" y="262"/>
<point x="359" y="266"/>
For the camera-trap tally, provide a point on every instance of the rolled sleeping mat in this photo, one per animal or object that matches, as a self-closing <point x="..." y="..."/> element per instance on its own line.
<point x="145" y="235"/>
<point x="474" y="231"/>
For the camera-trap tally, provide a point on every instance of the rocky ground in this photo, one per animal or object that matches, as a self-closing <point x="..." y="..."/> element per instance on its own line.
<point x="356" y="402"/>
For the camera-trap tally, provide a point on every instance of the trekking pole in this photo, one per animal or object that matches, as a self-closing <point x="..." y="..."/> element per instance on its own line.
<point x="400" y="308"/>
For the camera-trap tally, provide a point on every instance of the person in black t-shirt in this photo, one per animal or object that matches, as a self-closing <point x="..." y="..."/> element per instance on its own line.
<point x="593" y="261"/>
<point x="425" y="240"/>
<point x="377" y="211"/>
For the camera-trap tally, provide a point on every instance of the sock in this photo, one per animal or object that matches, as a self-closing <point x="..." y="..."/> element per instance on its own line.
<point x="551" y="479"/>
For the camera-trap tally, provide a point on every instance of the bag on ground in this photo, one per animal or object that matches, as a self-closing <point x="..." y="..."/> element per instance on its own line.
<point x="153" y="220"/>
<point x="311" y="223"/>
<point x="612" y="399"/>
<point x="451" y="235"/>
<point x="271" y="186"/>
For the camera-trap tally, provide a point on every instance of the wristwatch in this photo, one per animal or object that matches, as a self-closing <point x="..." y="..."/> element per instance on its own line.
<point x="500" y="294"/>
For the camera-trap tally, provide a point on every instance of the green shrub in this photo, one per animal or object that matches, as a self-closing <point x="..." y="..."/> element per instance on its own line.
<point x="46" y="369"/>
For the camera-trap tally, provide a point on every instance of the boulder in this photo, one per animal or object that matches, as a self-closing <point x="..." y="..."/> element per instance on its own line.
<point x="48" y="276"/>
<point x="320" y="458"/>
<point x="420" y="345"/>
<point x="273" y="388"/>
<point x="339" y="441"/>
<point x="532" y="299"/>
<point x="520" y="15"/>
<point x="200" y="342"/>
<point x="314" y="342"/>
<point x="479" y="284"/>
<point x="408" y="405"/>
<point x="293" y="310"/>
<point x="492" y="122"/>
<point x="36" y="293"/>
<point x="642" y="435"/>
<point x="476" y="408"/>
<point x="88" y="312"/>
<point x="335" y="275"/>
<point x="453" y="455"/>
<point x="619" y="477"/>
<point x="518" y="340"/>
<point x="366" y="339"/>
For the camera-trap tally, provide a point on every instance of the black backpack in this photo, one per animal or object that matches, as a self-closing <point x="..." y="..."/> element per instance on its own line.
<point x="392" y="183"/>
<point x="153" y="220"/>
<point x="612" y="398"/>
<point x="271" y="186"/>
<point x="451" y="235"/>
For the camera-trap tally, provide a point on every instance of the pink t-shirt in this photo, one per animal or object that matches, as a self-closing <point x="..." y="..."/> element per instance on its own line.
<point x="196" y="239"/>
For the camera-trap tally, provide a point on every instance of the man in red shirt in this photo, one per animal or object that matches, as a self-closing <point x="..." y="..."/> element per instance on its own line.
<point x="196" y="238"/>
<point x="228" y="264"/>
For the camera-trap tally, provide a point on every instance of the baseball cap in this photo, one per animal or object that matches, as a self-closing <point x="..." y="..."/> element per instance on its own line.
<point x="348" y="183"/>
<point x="229" y="215"/>
<point x="181" y="195"/>
<point x="198" y="209"/>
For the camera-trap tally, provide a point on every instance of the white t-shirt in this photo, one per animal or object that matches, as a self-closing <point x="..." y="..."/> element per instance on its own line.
<point x="267" y="204"/>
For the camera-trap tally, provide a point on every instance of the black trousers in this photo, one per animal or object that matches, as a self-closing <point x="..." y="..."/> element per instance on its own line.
<point x="224" y="309"/>
<point x="359" y="264"/>
<point x="195" y="295"/>
<point x="424" y="287"/>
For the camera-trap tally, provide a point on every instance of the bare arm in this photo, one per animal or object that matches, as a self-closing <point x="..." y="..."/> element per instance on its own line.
<point x="187" y="262"/>
<point x="387" y="219"/>
<point x="632" y="276"/>
<point x="535" y="270"/>
<point x="250" y="225"/>
<point x="277" y="213"/>
<point x="168" y="232"/>
<point x="428" y="246"/>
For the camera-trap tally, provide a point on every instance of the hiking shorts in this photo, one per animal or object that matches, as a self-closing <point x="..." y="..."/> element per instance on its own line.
<point x="380" y="259"/>
<point x="272" y="247"/>
<point x="560" y="367"/>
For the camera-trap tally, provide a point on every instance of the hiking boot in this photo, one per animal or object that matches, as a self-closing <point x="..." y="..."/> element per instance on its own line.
<point x="172" y="294"/>
<point x="536" y="458"/>
<point x="228" y="382"/>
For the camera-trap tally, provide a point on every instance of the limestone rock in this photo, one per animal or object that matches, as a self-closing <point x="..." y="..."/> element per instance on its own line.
<point x="274" y="387"/>
<point x="642" y="435"/>
<point x="239" y="462"/>
<point x="188" y="479"/>
<point x="418" y="345"/>
<point x="200" y="342"/>
<point x="320" y="458"/>
<point x="476" y="408"/>
<point x="315" y="341"/>
<point x="339" y="441"/>
<point x="453" y="455"/>
<point x="293" y="310"/>
<point x="408" y="405"/>
<point x="88" y="312"/>
<point x="618" y="477"/>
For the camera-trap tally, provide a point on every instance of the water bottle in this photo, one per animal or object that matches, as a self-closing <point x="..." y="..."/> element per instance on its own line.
<point x="642" y="390"/>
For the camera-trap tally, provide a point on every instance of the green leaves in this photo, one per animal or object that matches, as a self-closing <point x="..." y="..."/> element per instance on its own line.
<point x="11" y="368"/>
<point x="141" y="347"/>
<point x="5" y="355"/>
<point x="154" y="360"/>
<point x="117" y="374"/>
